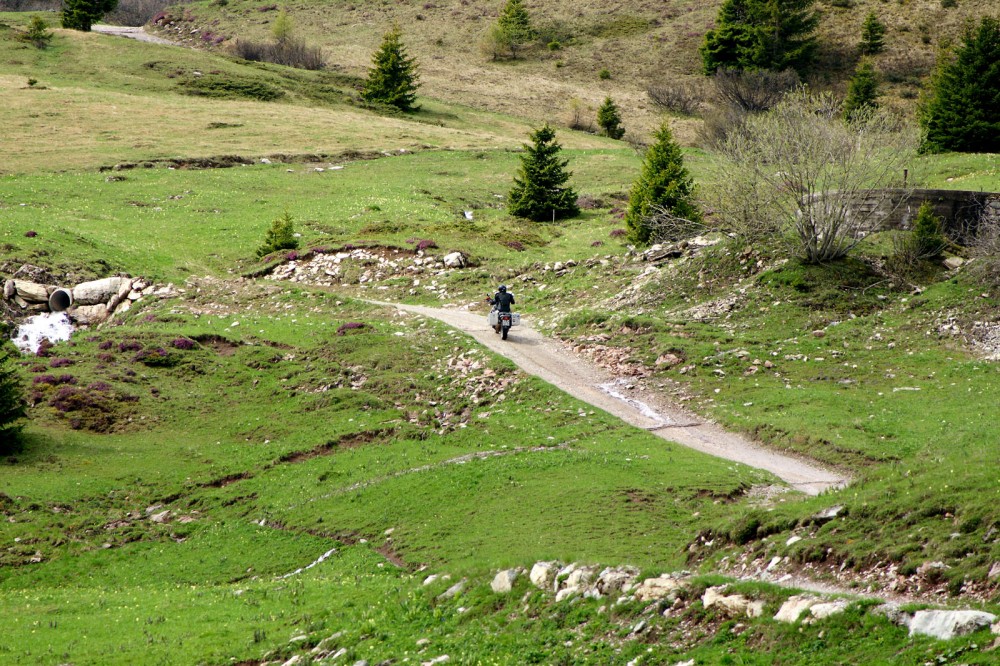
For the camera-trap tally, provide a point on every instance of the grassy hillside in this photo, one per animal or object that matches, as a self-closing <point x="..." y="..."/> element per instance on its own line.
<point x="639" y="43"/>
<point x="186" y="460"/>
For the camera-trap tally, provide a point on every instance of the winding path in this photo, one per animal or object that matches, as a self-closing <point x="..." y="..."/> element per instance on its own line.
<point x="551" y="361"/>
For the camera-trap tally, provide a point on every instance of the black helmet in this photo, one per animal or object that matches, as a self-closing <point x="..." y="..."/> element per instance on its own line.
<point x="503" y="288"/>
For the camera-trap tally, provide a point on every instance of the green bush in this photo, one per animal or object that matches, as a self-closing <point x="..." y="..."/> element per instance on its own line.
<point x="81" y="14"/>
<point x="604" y="75"/>
<point x="37" y="34"/>
<point x="281" y="236"/>
<point x="12" y="404"/>
<point x="610" y="120"/>
<point x="927" y="233"/>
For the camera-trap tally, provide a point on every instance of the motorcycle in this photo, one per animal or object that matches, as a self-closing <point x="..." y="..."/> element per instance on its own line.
<point x="502" y="322"/>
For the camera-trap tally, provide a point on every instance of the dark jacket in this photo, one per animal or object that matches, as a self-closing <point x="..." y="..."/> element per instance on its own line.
<point x="502" y="301"/>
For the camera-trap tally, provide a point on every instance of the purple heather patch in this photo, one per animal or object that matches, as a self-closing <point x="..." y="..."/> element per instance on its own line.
<point x="351" y="325"/>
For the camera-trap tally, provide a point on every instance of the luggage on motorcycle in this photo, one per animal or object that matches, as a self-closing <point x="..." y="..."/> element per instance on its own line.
<point x="494" y="318"/>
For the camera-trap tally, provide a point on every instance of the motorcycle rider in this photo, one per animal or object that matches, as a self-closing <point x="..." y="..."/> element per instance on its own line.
<point x="501" y="302"/>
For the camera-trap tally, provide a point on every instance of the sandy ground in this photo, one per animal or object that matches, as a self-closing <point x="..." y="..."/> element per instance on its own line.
<point x="651" y="410"/>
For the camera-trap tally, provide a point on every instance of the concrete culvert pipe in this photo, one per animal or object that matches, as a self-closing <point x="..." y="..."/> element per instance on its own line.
<point x="60" y="300"/>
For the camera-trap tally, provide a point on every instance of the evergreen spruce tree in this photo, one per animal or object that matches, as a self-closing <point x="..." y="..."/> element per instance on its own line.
<point x="513" y="26"/>
<point x="664" y="185"/>
<point x="862" y="94"/>
<point x="761" y="34"/>
<point x="872" y="35"/>
<point x="12" y="405"/>
<point x="37" y="33"/>
<point x="539" y="192"/>
<point x="962" y="111"/>
<point x="610" y="120"/>
<point x="281" y="236"/>
<point x="82" y="14"/>
<point x="393" y="77"/>
<point x="927" y="234"/>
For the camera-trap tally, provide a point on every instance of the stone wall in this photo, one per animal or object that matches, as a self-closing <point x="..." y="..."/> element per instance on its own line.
<point x="962" y="211"/>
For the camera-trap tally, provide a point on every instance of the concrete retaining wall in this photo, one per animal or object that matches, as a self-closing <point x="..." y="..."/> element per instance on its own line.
<point x="962" y="211"/>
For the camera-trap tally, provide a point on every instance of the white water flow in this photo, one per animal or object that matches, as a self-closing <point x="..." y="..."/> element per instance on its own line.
<point x="643" y="408"/>
<point x="53" y="326"/>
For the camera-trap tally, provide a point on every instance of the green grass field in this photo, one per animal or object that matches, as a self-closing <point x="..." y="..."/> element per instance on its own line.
<point x="160" y="500"/>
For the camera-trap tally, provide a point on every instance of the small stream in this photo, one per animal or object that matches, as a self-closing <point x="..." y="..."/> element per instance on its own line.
<point x="54" y="326"/>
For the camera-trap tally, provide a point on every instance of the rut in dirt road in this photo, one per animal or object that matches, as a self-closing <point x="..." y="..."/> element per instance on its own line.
<point x="549" y="360"/>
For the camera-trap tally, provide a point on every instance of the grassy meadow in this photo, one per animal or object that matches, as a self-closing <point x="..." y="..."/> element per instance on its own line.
<point x="184" y="462"/>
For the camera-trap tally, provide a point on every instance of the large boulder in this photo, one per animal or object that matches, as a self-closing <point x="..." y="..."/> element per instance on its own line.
<point x="944" y="624"/>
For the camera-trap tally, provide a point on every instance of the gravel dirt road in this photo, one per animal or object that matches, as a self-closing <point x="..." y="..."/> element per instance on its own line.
<point x="648" y="409"/>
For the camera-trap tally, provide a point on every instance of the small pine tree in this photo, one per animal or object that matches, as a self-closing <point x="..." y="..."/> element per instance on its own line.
<point x="282" y="28"/>
<point x="539" y="191"/>
<point x="13" y="408"/>
<point x="664" y="185"/>
<point x="281" y="236"/>
<point x="37" y="34"/>
<point x="514" y="26"/>
<point x="927" y="234"/>
<point x="862" y="94"/>
<point x="393" y="77"/>
<point x="962" y="110"/>
<point x="872" y="35"/>
<point x="610" y="120"/>
<point x="82" y="14"/>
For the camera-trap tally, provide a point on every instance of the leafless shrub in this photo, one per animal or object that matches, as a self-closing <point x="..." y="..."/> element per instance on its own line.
<point x="683" y="98"/>
<point x="800" y="167"/>
<point x="289" y="52"/>
<point x="753" y="91"/>
<point x="580" y="115"/>
<point x="985" y="249"/>
<point x="137" y="12"/>
<point x="719" y="123"/>
<point x="666" y="226"/>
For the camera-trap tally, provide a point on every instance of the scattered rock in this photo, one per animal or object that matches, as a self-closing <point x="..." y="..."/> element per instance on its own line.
<point x="951" y="263"/>
<point x="826" y="515"/>
<point x="893" y="613"/>
<point x="663" y="587"/>
<point x="455" y="260"/>
<point x="161" y="517"/>
<point x="945" y="625"/>
<point x="734" y="603"/>
<point x="543" y="574"/>
<point x="453" y="591"/>
<point x="824" y="610"/>
<point x="794" y="607"/>
<point x="503" y="582"/>
<point x="994" y="571"/>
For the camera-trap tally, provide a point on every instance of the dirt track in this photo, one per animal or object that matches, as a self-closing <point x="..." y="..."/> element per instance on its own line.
<point x="550" y="361"/>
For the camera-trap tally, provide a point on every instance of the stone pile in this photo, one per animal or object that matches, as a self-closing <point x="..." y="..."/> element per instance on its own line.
<point x="87" y="303"/>
<point x="374" y="264"/>
<point x="578" y="580"/>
